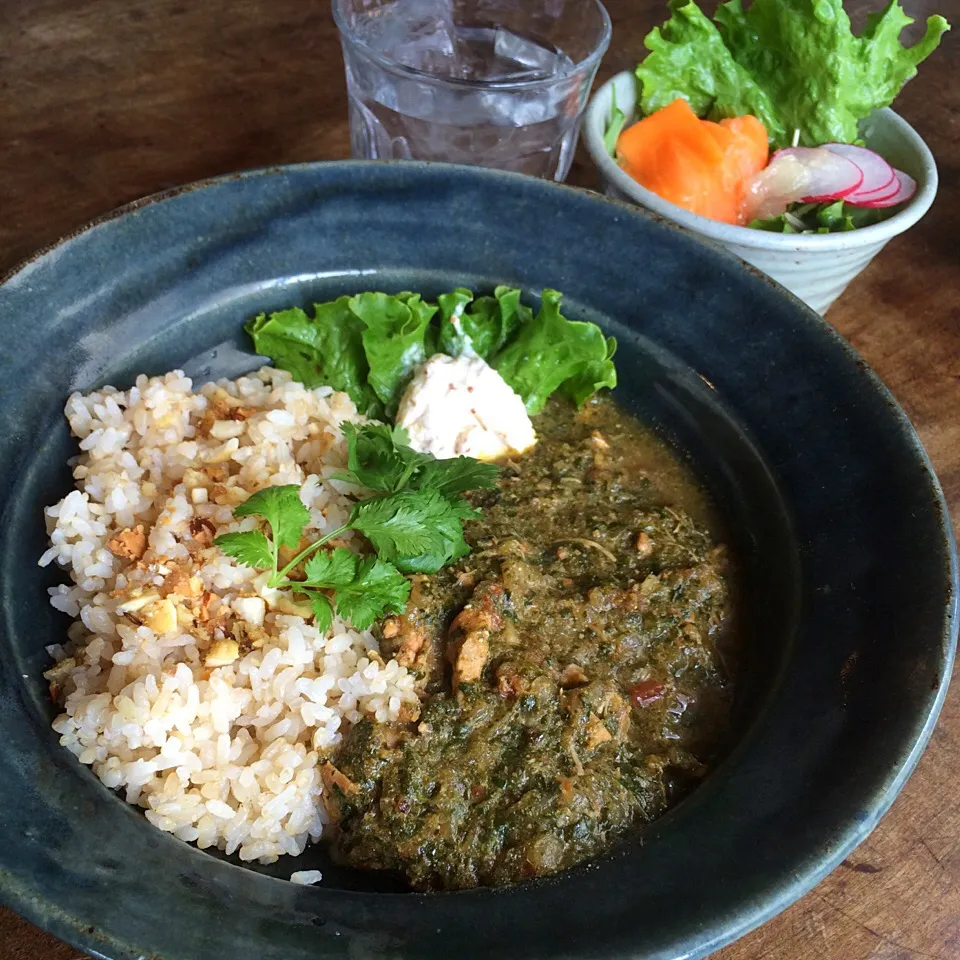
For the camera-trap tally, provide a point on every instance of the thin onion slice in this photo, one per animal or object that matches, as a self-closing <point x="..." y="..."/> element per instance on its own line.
<point x="878" y="175"/>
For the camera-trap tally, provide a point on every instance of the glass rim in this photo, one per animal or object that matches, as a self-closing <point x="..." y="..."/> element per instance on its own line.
<point x="591" y="59"/>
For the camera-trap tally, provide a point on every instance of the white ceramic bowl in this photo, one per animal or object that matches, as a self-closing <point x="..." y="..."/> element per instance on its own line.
<point x="815" y="267"/>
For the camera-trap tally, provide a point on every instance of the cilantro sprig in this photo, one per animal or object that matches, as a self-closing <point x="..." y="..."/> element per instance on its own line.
<point x="414" y="522"/>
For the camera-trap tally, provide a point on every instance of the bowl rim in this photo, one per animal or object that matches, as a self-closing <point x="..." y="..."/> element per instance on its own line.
<point x="877" y="233"/>
<point x="56" y="917"/>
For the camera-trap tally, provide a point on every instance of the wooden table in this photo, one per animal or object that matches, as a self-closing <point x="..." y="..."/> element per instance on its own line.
<point x="103" y="102"/>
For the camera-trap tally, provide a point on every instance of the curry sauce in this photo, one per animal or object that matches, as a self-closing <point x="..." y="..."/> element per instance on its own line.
<point x="571" y="668"/>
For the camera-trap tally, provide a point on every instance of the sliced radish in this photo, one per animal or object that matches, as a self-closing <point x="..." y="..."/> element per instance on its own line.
<point x="878" y="175"/>
<point x="827" y="178"/>
<point x="876" y="196"/>
<point x="907" y="188"/>
<point x="799" y="174"/>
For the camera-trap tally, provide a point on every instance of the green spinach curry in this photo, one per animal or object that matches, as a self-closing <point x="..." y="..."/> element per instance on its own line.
<point x="571" y="669"/>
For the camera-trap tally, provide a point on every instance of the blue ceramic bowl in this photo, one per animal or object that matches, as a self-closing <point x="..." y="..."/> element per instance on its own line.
<point x="849" y="569"/>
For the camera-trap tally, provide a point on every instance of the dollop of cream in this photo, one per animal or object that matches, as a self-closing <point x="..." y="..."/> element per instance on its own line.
<point x="461" y="407"/>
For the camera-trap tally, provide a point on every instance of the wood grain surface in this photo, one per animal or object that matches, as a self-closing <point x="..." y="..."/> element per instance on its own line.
<point x="105" y="101"/>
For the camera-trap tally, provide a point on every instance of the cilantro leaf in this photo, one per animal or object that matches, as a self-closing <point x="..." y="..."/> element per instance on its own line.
<point x="403" y="524"/>
<point x="334" y="569"/>
<point x="380" y="457"/>
<point x="377" y="589"/>
<point x="453" y="546"/>
<point x="550" y="350"/>
<point x="420" y="531"/>
<point x="397" y="338"/>
<point x="251" y="549"/>
<point x="411" y="530"/>
<point x="282" y="508"/>
<point x="322" y="610"/>
<point x="457" y="475"/>
<point x="365" y="589"/>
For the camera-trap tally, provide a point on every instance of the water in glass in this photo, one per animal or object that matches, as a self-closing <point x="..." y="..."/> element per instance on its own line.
<point x="423" y="85"/>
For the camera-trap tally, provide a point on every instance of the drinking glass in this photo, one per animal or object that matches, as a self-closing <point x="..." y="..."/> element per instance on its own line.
<point x="497" y="83"/>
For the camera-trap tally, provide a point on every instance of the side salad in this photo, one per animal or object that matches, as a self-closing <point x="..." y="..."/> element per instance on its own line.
<point x="755" y="117"/>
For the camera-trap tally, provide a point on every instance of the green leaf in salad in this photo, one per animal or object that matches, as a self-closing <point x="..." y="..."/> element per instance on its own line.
<point x="835" y="217"/>
<point x="688" y="58"/>
<point x="397" y="338"/>
<point x="794" y="64"/>
<point x="615" y="125"/>
<point x="822" y="79"/>
<point x="550" y="350"/>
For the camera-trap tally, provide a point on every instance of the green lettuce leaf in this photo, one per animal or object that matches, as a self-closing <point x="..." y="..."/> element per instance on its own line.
<point x="822" y="78"/>
<point x="325" y="350"/>
<point x="344" y="363"/>
<point x="483" y="327"/>
<point x="453" y="339"/>
<point x="596" y="375"/>
<point x="550" y="351"/>
<point x="291" y="340"/>
<point x="370" y="344"/>
<point x="689" y="59"/>
<point x="397" y="338"/>
<point x="795" y="64"/>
